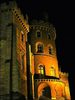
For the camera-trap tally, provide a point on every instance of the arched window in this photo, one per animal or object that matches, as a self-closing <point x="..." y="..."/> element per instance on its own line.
<point x="38" y="33"/>
<point x="42" y="69"/>
<point x="52" y="71"/>
<point x="50" y="50"/>
<point x="40" y="48"/>
<point x="49" y="37"/>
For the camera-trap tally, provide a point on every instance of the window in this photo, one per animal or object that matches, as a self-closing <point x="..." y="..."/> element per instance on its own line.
<point x="52" y="71"/>
<point x="22" y="36"/>
<point x="40" y="48"/>
<point x="38" y="34"/>
<point x="50" y="50"/>
<point x="49" y="36"/>
<point x="41" y="69"/>
<point x="22" y="66"/>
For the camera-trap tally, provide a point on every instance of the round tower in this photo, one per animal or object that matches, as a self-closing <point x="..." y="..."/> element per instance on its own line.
<point x="42" y="39"/>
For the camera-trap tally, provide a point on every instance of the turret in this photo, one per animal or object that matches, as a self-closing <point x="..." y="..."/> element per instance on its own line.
<point x="42" y="39"/>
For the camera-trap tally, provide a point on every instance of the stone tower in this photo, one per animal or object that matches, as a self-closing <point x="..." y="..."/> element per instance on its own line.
<point x="13" y="38"/>
<point x="28" y="59"/>
<point x="47" y="82"/>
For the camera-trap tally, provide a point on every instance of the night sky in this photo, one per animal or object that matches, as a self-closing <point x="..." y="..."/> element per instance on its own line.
<point x="61" y="15"/>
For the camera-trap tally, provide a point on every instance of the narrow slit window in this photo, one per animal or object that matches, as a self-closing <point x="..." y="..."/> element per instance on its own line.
<point x="50" y="50"/>
<point x="22" y="36"/>
<point x="22" y="66"/>
<point x="38" y="34"/>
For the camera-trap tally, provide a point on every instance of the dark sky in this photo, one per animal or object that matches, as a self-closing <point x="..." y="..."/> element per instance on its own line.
<point x="61" y="15"/>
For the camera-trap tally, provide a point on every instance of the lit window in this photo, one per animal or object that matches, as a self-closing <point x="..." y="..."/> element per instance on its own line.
<point x="40" y="48"/>
<point x="38" y="34"/>
<point x="50" y="50"/>
<point x="41" y="69"/>
<point x="52" y="71"/>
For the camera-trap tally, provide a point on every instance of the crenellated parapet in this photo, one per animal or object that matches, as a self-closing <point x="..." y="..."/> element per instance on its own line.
<point x="45" y="26"/>
<point x="20" y="19"/>
<point x="11" y="9"/>
<point x="64" y="74"/>
<point x="30" y="56"/>
<point x="7" y="5"/>
<point x="64" y="77"/>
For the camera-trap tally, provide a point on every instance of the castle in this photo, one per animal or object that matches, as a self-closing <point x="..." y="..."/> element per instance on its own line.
<point x="28" y="59"/>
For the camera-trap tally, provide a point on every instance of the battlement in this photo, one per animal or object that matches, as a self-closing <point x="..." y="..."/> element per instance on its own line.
<point x="9" y="4"/>
<point x="16" y="12"/>
<point x="32" y="58"/>
<point x="43" y="25"/>
<point x="20" y="18"/>
<point x="63" y="75"/>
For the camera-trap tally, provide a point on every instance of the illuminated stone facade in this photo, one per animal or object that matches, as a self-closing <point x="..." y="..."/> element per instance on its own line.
<point x="29" y="64"/>
<point x="13" y="38"/>
<point x="49" y="81"/>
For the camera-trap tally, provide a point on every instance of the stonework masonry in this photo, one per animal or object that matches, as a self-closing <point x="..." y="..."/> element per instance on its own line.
<point x="29" y="67"/>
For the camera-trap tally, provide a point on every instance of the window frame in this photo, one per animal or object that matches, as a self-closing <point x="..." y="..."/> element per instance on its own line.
<point x="50" y="50"/>
<point x="41" y="69"/>
<point x="22" y="36"/>
<point x="38" y="31"/>
<point x="52" y="71"/>
<point x="49" y="36"/>
<point x="40" y="48"/>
